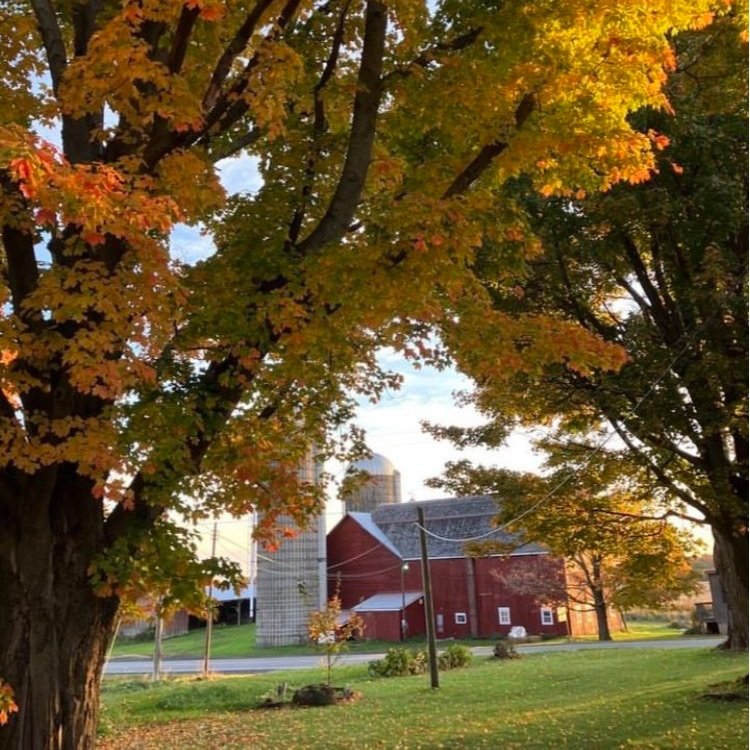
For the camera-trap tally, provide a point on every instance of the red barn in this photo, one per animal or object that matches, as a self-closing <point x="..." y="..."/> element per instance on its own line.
<point x="374" y="562"/>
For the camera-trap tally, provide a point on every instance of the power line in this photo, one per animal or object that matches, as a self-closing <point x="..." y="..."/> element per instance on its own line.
<point x="597" y="449"/>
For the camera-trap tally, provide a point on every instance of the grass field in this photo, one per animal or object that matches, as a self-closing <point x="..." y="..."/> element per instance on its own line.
<point x="237" y="641"/>
<point x="590" y="700"/>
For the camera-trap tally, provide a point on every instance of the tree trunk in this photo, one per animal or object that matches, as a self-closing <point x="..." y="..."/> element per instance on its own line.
<point x="54" y="631"/>
<point x="731" y="560"/>
<point x="600" y="599"/>
<point x="602" y="620"/>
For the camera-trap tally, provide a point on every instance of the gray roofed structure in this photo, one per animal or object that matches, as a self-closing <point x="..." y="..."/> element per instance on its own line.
<point x="388" y="602"/>
<point x="452" y="518"/>
<point x="366" y="522"/>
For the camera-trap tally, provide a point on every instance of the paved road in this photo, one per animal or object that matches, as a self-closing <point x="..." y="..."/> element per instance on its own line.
<point x="279" y="663"/>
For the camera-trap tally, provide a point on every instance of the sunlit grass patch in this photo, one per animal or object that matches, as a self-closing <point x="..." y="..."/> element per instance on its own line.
<point x="588" y="700"/>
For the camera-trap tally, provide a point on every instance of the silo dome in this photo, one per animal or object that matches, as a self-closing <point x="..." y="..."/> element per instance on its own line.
<point x="381" y="487"/>
<point x="376" y="465"/>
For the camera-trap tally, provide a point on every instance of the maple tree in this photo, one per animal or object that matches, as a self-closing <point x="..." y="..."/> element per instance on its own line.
<point x="660" y="269"/>
<point x="620" y="553"/>
<point x="139" y="391"/>
<point x="330" y="634"/>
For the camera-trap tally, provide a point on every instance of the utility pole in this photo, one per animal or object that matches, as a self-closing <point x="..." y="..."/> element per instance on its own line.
<point x="158" y="636"/>
<point x="429" y="610"/>
<point x="404" y="625"/>
<point x="210" y="620"/>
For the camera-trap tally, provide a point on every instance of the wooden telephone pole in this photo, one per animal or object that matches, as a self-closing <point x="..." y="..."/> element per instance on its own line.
<point x="210" y="620"/>
<point x="429" y="610"/>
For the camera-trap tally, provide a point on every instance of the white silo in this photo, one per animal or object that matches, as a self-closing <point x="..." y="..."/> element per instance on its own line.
<point x="380" y="485"/>
<point x="291" y="581"/>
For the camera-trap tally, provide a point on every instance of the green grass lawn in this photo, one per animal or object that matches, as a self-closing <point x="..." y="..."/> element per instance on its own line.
<point x="588" y="700"/>
<point x="236" y="641"/>
<point x="232" y="641"/>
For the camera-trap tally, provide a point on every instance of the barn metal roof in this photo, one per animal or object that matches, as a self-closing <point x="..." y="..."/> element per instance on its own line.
<point x="388" y="602"/>
<point x="457" y="518"/>
<point x="366" y="522"/>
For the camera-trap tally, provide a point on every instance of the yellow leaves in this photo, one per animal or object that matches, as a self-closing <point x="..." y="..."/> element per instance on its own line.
<point x="120" y="72"/>
<point x="278" y="68"/>
<point x="524" y="344"/>
<point x="191" y="182"/>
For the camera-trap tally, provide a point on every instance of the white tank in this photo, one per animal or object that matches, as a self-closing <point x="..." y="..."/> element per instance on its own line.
<point x="292" y="580"/>
<point x="382" y="485"/>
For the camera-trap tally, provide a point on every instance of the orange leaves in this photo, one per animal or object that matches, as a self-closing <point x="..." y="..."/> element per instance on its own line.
<point x="7" y="703"/>
<point x="98" y="198"/>
<point x="208" y="11"/>
<point x="659" y="140"/>
<point x="419" y="244"/>
<point x="93" y="238"/>
<point x="702" y="20"/>
<point x="22" y="171"/>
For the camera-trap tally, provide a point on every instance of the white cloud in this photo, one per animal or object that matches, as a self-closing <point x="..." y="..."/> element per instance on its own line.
<point x="393" y="429"/>
<point x="240" y="174"/>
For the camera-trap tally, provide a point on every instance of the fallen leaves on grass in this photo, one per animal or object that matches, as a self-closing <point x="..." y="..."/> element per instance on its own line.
<point x="214" y="732"/>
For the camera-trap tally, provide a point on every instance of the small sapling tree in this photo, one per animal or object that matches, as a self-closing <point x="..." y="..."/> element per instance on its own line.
<point x="330" y="634"/>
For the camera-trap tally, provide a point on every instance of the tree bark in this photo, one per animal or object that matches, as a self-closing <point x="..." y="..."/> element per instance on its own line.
<point x="602" y="621"/>
<point x="600" y="602"/>
<point x="731" y="561"/>
<point x="54" y="630"/>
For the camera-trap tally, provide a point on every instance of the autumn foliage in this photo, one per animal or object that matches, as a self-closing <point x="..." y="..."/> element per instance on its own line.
<point x="136" y="382"/>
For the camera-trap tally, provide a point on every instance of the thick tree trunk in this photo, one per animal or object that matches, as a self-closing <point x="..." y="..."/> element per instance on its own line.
<point x="600" y="599"/>
<point x="731" y="560"/>
<point x="602" y="620"/>
<point x="54" y="631"/>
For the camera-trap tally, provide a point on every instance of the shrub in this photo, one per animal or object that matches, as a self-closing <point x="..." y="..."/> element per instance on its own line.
<point x="455" y="657"/>
<point x="399" y="662"/>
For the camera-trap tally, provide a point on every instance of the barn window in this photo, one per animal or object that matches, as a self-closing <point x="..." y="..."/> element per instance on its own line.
<point x="461" y="618"/>
<point x="547" y="616"/>
<point x="503" y="615"/>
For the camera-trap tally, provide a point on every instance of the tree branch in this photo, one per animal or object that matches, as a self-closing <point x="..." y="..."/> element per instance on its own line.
<point x="647" y="517"/>
<point x="229" y="107"/>
<point x="585" y="315"/>
<point x="345" y="200"/>
<point x="233" y="49"/>
<point x="54" y="45"/>
<point x="669" y="326"/>
<point x="424" y="59"/>
<point x="320" y="123"/>
<point x="488" y="153"/>
<point x="21" y="269"/>
<point x="181" y="38"/>
<point x="687" y="497"/>
<point x="219" y="396"/>
<point x="235" y="146"/>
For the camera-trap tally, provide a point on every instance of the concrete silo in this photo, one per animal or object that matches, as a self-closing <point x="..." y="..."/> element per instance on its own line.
<point x="382" y="486"/>
<point x="291" y="581"/>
